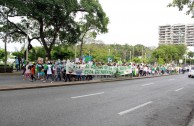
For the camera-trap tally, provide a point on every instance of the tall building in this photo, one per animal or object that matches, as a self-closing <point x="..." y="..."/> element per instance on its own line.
<point x="177" y="34"/>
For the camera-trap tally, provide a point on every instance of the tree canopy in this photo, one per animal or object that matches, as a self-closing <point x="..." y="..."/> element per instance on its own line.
<point x="169" y="53"/>
<point x="188" y="4"/>
<point x="51" y="21"/>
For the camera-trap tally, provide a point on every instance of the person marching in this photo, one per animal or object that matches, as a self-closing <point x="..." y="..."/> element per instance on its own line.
<point x="33" y="73"/>
<point x="49" y="71"/>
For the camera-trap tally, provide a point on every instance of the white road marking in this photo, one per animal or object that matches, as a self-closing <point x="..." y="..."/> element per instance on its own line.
<point x="132" y="109"/>
<point x="179" y="89"/>
<point x="147" y="84"/>
<point x="172" y="79"/>
<point x="87" y="95"/>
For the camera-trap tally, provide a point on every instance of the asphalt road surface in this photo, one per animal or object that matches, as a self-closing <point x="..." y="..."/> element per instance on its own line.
<point x="161" y="101"/>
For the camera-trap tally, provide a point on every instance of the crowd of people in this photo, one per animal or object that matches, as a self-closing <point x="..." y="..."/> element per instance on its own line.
<point x="50" y="71"/>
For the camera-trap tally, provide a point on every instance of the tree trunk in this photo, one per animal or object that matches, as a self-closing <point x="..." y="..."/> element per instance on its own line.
<point x="48" y="54"/>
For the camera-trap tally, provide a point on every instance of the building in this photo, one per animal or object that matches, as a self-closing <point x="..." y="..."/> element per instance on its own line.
<point x="177" y="34"/>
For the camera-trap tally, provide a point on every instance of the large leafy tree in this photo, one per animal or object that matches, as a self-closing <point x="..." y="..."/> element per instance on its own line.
<point x="169" y="53"/>
<point x="2" y="53"/>
<point x="51" y="21"/>
<point x="183" y="4"/>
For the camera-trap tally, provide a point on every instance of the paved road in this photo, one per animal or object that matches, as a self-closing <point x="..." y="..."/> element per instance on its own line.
<point x="163" y="101"/>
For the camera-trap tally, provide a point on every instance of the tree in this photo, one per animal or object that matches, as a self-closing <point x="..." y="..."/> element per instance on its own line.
<point x="37" y="52"/>
<point x="190" y="54"/>
<point x="18" y="54"/>
<point x="62" y="52"/>
<point x="138" y="50"/>
<point x="92" y="23"/>
<point x="2" y="54"/>
<point x="182" y="4"/>
<point x="51" y="21"/>
<point x="169" y="53"/>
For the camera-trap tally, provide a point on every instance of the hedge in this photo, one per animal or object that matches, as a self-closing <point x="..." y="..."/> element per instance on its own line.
<point x="9" y="69"/>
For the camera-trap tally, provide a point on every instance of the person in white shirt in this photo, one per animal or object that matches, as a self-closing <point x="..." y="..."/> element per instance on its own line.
<point x="49" y="71"/>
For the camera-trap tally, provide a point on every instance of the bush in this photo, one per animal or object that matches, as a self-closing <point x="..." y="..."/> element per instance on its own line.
<point x="9" y="69"/>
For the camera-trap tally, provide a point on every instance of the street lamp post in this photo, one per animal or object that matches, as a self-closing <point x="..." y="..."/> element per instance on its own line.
<point x="27" y="25"/>
<point x="5" y="40"/>
<point x="130" y="57"/>
<point x="75" y="51"/>
<point x="133" y="54"/>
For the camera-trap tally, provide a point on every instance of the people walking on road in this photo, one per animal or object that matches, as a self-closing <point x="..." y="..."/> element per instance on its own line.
<point x="49" y="71"/>
<point x="58" y="72"/>
<point x="39" y="69"/>
<point x="16" y="63"/>
<point x="19" y="63"/>
<point x="33" y="78"/>
<point x="27" y="72"/>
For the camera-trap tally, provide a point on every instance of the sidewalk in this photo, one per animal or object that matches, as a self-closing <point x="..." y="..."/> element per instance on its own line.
<point x="56" y="84"/>
<point x="13" y="73"/>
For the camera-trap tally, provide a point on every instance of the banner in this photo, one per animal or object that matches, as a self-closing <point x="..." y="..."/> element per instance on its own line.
<point x="79" y="69"/>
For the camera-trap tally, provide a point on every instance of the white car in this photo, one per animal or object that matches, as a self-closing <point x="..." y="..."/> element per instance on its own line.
<point x="191" y="72"/>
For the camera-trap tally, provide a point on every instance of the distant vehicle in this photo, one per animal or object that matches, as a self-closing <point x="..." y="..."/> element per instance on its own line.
<point x="191" y="72"/>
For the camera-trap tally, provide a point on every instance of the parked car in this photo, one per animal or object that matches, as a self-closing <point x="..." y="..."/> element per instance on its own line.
<point x="191" y="72"/>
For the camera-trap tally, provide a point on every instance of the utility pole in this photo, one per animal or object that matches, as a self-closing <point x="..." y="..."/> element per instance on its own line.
<point x="5" y="40"/>
<point x="75" y="51"/>
<point x="130" y="57"/>
<point x="27" y="25"/>
<point x="142" y="52"/>
<point x="133" y="53"/>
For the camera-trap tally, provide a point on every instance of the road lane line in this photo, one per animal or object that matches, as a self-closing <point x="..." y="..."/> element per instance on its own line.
<point x="132" y="109"/>
<point x="88" y="95"/>
<point x="179" y="89"/>
<point x="172" y="79"/>
<point x="147" y="84"/>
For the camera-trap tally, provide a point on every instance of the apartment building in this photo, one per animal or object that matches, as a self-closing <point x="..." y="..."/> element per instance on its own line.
<point x="177" y="34"/>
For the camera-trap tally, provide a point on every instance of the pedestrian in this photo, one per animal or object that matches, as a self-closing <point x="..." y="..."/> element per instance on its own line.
<point x="27" y="72"/>
<point x="39" y="69"/>
<point x="19" y="63"/>
<point x="45" y="69"/>
<point x="49" y="71"/>
<point x="58" y="72"/>
<point x="33" y="73"/>
<point x="16" y="63"/>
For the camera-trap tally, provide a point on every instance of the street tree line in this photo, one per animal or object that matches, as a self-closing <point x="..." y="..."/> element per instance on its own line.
<point x="51" y="22"/>
<point x="100" y="52"/>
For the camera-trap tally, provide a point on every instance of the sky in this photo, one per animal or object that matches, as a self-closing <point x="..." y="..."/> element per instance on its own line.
<point x="134" y="21"/>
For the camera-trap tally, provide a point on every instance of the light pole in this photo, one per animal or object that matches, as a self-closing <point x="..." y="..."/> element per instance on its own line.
<point x="27" y="25"/>
<point x="130" y="57"/>
<point x="75" y="51"/>
<point x="133" y="54"/>
<point x="5" y="40"/>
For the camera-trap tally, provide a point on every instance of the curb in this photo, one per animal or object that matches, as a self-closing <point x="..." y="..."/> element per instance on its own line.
<point x="11" y="74"/>
<point x="46" y="85"/>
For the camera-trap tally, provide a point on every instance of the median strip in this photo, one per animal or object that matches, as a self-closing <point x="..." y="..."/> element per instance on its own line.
<point x="88" y="95"/>
<point x="135" y="108"/>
